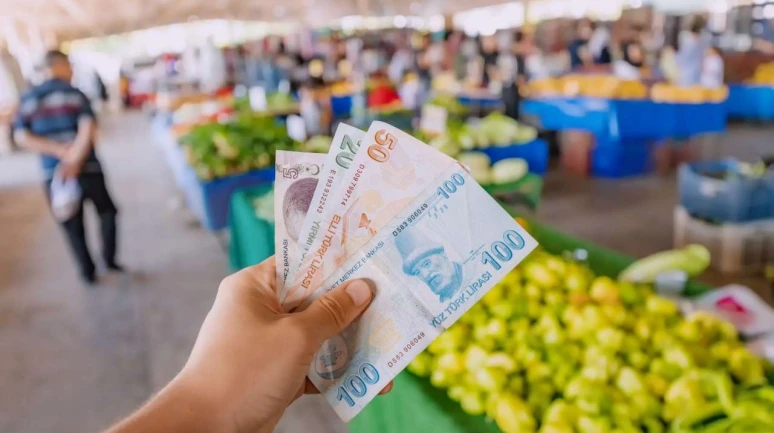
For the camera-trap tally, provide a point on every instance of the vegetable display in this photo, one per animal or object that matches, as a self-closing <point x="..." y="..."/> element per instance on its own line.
<point x="246" y="143"/>
<point x="495" y="129"/>
<point x="693" y="260"/>
<point x="555" y="349"/>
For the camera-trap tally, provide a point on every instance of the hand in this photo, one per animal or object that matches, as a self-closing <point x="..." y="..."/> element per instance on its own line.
<point x="71" y="162"/>
<point x="250" y="360"/>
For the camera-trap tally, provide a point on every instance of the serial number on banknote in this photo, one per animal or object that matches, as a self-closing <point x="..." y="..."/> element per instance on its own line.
<point x="406" y="349"/>
<point x="410" y="219"/>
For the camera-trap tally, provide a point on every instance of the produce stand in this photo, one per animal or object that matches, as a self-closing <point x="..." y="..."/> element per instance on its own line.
<point x="207" y="200"/>
<point x="750" y="102"/>
<point x="413" y="404"/>
<point x="173" y="154"/>
<point x="416" y="403"/>
<point x="628" y="119"/>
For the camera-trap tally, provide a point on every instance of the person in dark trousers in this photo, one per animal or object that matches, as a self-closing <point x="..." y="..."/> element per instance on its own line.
<point x="56" y="120"/>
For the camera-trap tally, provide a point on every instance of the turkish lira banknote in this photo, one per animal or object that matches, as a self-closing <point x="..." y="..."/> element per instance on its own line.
<point x="388" y="171"/>
<point x="297" y="174"/>
<point x="438" y="255"/>
<point x="343" y="148"/>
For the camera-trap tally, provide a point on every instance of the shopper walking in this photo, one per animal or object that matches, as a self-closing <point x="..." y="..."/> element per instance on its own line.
<point x="56" y="120"/>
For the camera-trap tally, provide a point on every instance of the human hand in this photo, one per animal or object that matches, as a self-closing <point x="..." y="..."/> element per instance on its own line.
<point x="71" y="162"/>
<point x="250" y="360"/>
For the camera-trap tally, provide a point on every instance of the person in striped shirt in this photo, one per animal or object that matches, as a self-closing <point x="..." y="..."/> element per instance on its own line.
<point x="56" y="121"/>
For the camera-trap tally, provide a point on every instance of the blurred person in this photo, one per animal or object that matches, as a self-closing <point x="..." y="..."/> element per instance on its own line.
<point x="630" y="66"/>
<point x="513" y="68"/>
<point x="599" y="45"/>
<point x="56" y="120"/>
<point x="400" y="62"/>
<point x="713" y="69"/>
<point x="764" y="42"/>
<point x="489" y="56"/>
<point x="236" y="379"/>
<point x="578" y="50"/>
<point x="692" y="47"/>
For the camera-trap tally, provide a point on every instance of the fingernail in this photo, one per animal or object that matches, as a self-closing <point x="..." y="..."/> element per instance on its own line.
<point x="359" y="291"/>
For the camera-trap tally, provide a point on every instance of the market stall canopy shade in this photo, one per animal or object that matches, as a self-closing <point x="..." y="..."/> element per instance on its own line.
<point x="73" y="19"/>
<point x="65" y="20"/>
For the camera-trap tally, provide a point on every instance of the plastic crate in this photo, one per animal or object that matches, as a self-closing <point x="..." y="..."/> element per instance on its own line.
<point x="535" y="153"/>
<point x="735" y="248"/>
<point x="210" y="201"/>
<point x="736" y="199"/>
<point x="341" y="106"/>
<point x="618" y="159"/>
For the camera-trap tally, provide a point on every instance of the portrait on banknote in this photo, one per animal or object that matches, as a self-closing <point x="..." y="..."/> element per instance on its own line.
<point x="429" y="261"/>
<point x="296" y="205"/>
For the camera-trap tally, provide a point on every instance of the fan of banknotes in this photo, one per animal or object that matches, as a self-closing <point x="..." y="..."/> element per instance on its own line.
<point x="384" y="207"/>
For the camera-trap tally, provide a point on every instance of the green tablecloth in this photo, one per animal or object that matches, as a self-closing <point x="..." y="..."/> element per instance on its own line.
<point x="413" y="405"/>
<point x="252" y="239"/>
<point x="526" y="191"/>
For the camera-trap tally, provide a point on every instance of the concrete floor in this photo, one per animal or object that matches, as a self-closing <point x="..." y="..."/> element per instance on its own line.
<point x="74" y="359"/>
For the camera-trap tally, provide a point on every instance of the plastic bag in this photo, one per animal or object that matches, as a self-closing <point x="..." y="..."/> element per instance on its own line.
<point x="66" y="197"/>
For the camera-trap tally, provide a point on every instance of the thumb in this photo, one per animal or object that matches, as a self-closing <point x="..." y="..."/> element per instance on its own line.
<point x="333" y="312"/>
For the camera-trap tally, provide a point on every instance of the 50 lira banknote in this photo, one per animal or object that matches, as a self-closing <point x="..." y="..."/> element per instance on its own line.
<point x="297" y="175"/>
<point x="388" y="171"/>
<point x="437" y="256"/>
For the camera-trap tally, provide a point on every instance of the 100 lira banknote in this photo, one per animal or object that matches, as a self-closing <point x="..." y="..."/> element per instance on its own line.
<point x="296" y="177"/>
<point x="389" y="170"/>
<point x="427" y="266"/>
<point x="342" y="152"/>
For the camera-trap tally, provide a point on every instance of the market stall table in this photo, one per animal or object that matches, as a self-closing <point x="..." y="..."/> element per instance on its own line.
<point x="628" y="119"/>
<point x="750" y="102"/>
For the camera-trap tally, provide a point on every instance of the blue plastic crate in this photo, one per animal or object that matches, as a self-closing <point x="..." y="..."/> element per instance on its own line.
<point x="210" y="200"/>
<point x="732" y="199"/>
<point x="341" y="106"/>
<point x="618" y="159"/>
<point x="535" y="153"/>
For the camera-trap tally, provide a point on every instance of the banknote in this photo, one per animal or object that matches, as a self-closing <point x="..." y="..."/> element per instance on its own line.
<point x="345" y="144"/>
<point x="389" y="170"/>
<point x="296" y="180"/>
<point x="427" y="267"/>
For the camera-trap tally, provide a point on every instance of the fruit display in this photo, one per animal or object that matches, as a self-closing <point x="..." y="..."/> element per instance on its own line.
<point x="592" y="86"/>
<point x="554" y="348"/>
<point x="495" y="129"/>
<point x="502" y="172"/>
<point x="687" y="95"/>
<point x="764" y="75"/>
<point x="693" y="260"/>
<point x="248" y="142"/>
